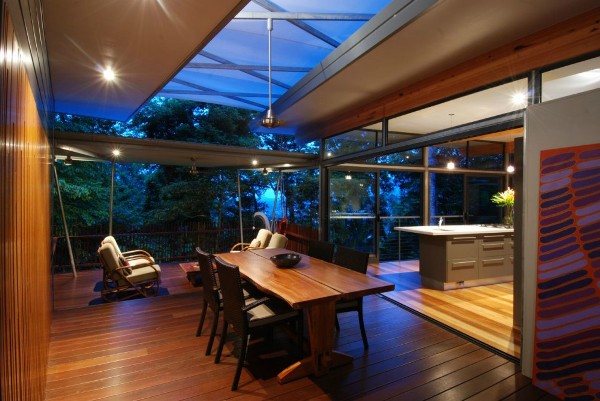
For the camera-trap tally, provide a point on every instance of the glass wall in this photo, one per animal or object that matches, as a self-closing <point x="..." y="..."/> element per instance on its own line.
<point x="460" y="197"/>
<point x="353" y="141"/>
<point x="353" y="206"/>
<point x="400" y="204"/>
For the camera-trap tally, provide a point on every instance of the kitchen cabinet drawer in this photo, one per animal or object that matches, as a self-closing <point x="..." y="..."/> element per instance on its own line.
<point x="461" y="247"/>
<point x="462" y="270"/>
<point x="492" y="245"/>
<point x="494" y="267"/>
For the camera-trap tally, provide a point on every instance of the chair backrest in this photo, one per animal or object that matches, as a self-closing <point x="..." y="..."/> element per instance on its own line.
<point x="264" y="236"/>
<point x="321" y="250"/>
<point x="277" y="241"/>
<point x="233" y="295"/>
<point x="110" y="262"/>
<point x="351" y="259"/>
<point x="210" y="290"/>
<point x="111" y="240"/>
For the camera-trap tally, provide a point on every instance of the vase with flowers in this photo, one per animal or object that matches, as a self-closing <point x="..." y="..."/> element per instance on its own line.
<point x="506" y="199"/>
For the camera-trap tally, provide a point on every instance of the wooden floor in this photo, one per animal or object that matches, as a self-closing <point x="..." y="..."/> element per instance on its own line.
<point x="146" y="349"/>
<point x="484" y="313"/>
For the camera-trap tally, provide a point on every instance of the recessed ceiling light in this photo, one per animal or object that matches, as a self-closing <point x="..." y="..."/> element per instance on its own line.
<point x="519" y="99"/>
<point x="109" y="74"/>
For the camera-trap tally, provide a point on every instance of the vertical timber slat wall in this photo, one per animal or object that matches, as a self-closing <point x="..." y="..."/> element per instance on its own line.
<point x="25" y="304"/>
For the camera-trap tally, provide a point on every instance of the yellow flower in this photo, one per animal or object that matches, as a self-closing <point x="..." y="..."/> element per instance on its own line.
<point x="506" y="198"/>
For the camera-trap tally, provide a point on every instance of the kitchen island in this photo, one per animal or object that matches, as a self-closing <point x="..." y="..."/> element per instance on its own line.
<point x="464" y="255"/>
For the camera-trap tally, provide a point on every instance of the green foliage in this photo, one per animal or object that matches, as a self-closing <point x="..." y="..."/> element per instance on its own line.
<point x="505" y="198"/>
<point x="150" y="194"/>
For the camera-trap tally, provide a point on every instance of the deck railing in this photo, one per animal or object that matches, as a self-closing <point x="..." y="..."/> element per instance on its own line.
<point x="169" y="242"/>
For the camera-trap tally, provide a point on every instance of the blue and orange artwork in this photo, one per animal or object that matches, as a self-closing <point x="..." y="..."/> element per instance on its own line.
<point x="567" y="327"/>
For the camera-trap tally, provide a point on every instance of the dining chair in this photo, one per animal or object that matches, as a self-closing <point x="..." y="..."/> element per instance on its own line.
<point x="357" y="261"/>
<point x="321" y="250"/>
<point x="211" y="295"/>
<point x="247" y="315"/>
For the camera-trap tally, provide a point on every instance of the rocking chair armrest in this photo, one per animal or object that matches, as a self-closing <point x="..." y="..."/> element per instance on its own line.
<point x="255" y="304"/>
<point x="137" y="253"/>
<point x="145" y="264"/>
<point x="240" y="245"/>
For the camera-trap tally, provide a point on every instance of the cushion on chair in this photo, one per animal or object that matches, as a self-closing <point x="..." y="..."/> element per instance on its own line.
<point x="277" y="241"/>
<point x="143" y="274"/>
<point x="264" y="236"/>
<point x="124" y="263"/>
<point x="271" y="311"/>
<point x="255" y="243"/>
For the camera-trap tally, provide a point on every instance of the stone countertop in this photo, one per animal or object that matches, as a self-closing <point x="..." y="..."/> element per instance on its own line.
<point x="456" y="230"/>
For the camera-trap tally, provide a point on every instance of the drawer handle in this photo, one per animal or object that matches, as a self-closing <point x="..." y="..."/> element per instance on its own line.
<point x="493" y="236"/>
<point x="463" y="238"/>
<point x="463" y="265"/>
<point x="493" y="246"/>
<point x="487" y="262"/>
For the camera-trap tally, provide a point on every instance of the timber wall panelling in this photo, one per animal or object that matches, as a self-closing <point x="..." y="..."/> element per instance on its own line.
<point x="25" y="303"/>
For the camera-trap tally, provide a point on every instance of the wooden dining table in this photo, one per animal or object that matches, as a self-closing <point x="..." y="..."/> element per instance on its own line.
<point x="314" y="286"/>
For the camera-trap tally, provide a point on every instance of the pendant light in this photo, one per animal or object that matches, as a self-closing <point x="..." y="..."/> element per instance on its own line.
<point x="270" y="121"/>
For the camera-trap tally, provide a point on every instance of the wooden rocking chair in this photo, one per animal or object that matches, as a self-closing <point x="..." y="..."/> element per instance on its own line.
<point x="123" y="281"/>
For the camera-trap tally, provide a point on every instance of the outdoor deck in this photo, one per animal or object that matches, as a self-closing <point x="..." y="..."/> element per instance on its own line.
<point x="147" y="349"/>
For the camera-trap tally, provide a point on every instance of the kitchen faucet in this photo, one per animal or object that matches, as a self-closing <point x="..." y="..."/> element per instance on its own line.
<point x="440" y="222"/>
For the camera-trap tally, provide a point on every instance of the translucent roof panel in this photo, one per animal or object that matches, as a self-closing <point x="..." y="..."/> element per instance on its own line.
<point x="233" y="68"/>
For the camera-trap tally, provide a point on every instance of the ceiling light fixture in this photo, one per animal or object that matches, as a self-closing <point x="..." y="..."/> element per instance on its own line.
<point x="270" y="121"/>
<point x="68" y="161"/>
<point x="519" y="99"/>
<point x="108" y="74"/>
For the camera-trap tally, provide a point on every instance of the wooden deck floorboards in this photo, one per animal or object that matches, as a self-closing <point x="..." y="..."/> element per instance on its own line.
<point x="146" y="349"/>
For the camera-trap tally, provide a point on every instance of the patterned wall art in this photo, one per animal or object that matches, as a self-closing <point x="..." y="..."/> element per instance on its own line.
<point x="567" y="327"/>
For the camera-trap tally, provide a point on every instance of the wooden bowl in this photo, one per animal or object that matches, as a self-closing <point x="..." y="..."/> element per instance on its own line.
<point x="285" y="260"/>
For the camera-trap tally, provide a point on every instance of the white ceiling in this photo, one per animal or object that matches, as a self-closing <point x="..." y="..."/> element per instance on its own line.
<point x="148" y="41"/>
<point x="144" y="41"/>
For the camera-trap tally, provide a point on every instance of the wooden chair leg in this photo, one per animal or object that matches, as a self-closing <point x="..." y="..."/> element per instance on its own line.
<point x="300" y="327"/>
<point x="363" y="332"/>
<point x="240" y="365"/>
<point x="213" y="333"/>
<point x="201" y="323"/>
<point x="221" y="342"/>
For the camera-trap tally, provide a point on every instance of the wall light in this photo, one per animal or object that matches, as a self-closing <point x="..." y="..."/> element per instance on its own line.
<point x="450" y="166"/>
<point x="348" y="176"/>
<point x="68" y="161"/>
<point x="265" y="171"/>
<point x="116" y="152"/>
<point x="254" y="162"/>
<point x="510" y="169"/>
